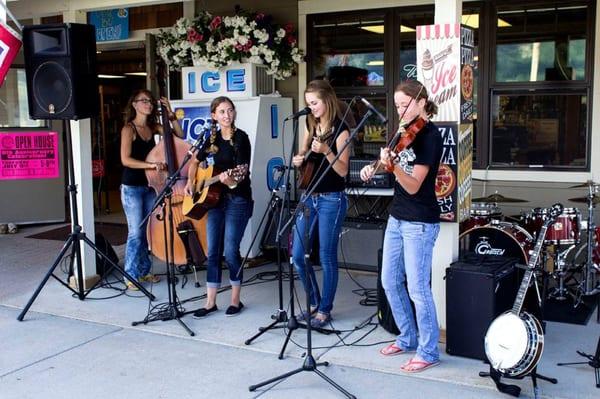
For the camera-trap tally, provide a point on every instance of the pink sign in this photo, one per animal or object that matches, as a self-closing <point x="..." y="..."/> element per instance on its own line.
<point x="28" y="155"/>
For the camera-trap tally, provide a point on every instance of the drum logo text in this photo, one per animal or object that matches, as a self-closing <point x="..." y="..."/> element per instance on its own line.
<point x="483" y="247"/>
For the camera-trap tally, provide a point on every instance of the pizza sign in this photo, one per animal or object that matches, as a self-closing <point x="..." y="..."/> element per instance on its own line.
<point x="446" y="181"/>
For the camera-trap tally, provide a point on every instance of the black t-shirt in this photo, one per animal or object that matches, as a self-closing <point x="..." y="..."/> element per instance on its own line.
<point x="332" y="181"/>
<point x="229" y="156"/>
<point x="426" y="149"/>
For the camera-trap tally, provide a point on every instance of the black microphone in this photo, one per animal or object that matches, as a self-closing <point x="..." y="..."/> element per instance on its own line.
<point x="302" y="112"/>
<point x="374" y="110"/>
<point x="202" y="140"/>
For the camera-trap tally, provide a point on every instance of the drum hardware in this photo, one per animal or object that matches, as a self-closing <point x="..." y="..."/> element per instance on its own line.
<point x="497" y="198"/>
<point x="589" y="285"/>
<point x="562" y="275"/>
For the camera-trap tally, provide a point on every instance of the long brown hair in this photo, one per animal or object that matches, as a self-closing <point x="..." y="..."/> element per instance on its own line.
<point x="416" y="90"/>
<point x="130" y="112"/>
<point x="325" y="93"/>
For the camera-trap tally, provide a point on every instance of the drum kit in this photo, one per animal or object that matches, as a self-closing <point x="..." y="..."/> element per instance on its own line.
<point x="571" y="252"/>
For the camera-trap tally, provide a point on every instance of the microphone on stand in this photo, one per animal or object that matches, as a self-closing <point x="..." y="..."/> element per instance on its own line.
<point x="302" y="112"/>
<point x="202" y="140"/>
<point x="374" y="110"/>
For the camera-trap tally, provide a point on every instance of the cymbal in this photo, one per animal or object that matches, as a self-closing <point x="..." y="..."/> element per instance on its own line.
<point x="497" y="198"/>
<point x="595" y="200"/>
<point x="586" y="184"/>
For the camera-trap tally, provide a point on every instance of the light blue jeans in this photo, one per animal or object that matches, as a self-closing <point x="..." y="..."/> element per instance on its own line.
<point x="407" y="253"/>
<point x="328" y="211"/>
<point x="225" y="226"/>
<point x="137" y="202"/>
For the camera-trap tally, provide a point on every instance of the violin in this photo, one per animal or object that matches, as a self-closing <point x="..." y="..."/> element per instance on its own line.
<point x="403" y="138"/>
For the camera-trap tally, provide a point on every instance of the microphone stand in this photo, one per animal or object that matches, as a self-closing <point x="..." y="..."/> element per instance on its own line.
<point x="280" y="316"/>
<point x="310" y="364"/>
<point x="172" y="309"/>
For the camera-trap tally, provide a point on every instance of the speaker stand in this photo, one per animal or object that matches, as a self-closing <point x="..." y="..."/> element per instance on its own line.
<point x="73" y="242"/>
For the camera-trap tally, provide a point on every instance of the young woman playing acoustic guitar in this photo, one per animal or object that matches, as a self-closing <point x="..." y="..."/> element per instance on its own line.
<point x="412" y="229"/>
<point x="228" y="149"/>
<point x="324" y="136"/>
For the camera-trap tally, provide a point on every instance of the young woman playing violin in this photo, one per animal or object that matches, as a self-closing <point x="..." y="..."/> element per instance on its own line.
<point x="412" y="228"/>
<point x="137" y="140"/>
<point x="324" y="136"/>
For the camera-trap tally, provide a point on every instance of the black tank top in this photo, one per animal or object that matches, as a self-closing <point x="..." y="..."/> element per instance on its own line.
<point x="139" y="150"/>
<point x="332" y="180"/>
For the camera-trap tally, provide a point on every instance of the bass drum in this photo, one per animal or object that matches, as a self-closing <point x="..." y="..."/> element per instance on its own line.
<point x="498" y="239"/>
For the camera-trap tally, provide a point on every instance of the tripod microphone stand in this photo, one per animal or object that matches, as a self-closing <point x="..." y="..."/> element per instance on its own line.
<point x="172" y="309"/>
<point x="594" y="361"/>
<point x="310" y="364"/>
<point x="281" y="315"/>
<point x="74" y="242"/>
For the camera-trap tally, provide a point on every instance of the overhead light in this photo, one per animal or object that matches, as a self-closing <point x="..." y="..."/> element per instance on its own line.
<point x="373" y="28"/>
<point x="472" y="20"/>
<point x="111" y="76"/>
<point x="375" y="63"/>
<point x="406" y="29"/>
<point x="136" y="74"/>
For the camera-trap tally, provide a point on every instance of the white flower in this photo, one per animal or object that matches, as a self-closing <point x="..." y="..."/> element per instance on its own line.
<point x="281" y="33"/>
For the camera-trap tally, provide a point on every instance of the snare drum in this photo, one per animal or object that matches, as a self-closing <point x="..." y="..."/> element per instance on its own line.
<point x="481" y="214"/>
<point x="498" y="238"/>
<point x="565" y="229"/>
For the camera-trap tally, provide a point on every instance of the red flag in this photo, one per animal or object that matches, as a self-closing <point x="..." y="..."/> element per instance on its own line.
<point x="10" y="43"/>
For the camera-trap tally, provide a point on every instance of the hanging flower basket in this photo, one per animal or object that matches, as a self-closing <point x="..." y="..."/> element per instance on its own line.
<point x="215" y="41"/>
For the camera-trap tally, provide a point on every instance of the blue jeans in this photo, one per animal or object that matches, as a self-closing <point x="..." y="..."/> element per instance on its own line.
<point x="407" y="252"/>
<point x="225" y="227"/>
<point x="328" y="211"/>
<point x="137" y="202"/>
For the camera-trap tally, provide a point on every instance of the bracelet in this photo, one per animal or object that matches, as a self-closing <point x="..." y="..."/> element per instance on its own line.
<point x="232" y="186"/>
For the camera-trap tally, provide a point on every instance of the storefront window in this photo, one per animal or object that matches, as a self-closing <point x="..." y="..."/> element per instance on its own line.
<point x="539" y="45"/>
<point x="408" y="41"/>
<point x="14" y="111"/>
<point x="348" y="50"/>
<point x="539" y="130"/>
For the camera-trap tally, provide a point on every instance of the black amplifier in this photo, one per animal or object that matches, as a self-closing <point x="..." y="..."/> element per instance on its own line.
<point x="383" y="180"/>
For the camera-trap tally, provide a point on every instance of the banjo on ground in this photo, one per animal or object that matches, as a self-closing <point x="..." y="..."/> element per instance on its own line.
<point x="514" y="342"/>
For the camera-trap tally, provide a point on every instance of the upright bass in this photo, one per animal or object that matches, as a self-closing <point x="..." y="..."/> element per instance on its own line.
<point x="171" y="150"/>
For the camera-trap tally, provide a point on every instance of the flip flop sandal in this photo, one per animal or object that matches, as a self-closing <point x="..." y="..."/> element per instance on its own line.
<point x="391" y="350"/>
<point x="421" y="365"/>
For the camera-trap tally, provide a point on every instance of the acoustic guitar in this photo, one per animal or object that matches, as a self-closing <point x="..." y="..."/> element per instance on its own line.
<point x="307" y="170"/>
<point x="514" y="342"/>
<point x="206" y="194"/>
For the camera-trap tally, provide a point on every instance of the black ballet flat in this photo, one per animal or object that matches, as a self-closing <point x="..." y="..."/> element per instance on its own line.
<point x="202" y="312"/>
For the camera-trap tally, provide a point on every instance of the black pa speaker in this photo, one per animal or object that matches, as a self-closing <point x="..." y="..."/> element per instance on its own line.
<point x="478" y="289"/>
<point x="60" y="66"/>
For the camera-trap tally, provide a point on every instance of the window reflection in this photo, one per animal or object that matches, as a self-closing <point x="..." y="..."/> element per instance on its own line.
<point x="541" y="44"/>
<point x="14" y="111"/>
<point x="349" y="50"/>
<point x="535" y="130"/>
